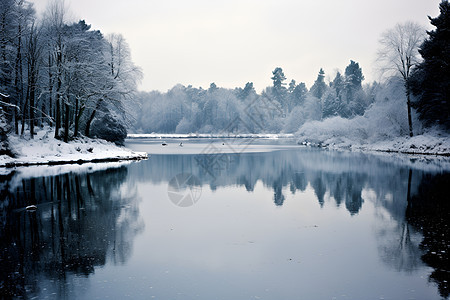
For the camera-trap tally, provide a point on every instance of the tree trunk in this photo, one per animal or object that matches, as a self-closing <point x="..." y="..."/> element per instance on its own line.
<point x="32" y="96"/>
<point x="408" y="100"/>
<point x="50" y="90"/>
<point x="24" y="115"/>
<point x="18" y="81"/>
<point x="58" y="92"/>
<point x="75" y="132"/>
<point x="66" y="122"/>
<point x="91" y="118"/>
<point x="88" y="124"/>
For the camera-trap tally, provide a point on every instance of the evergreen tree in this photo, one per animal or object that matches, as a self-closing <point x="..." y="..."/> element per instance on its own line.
<point x="299" y="93"/>
<point x="279" y="90"/>
<point x="296" y="94"/>
<point x="333" y="104"/>
<point x="243" y="93"/>
<point x="319" y="87"/>
<point x="278" y="78"/>
<point x="431" y="80"/>
<point x="292" y="85"/>
<point x="355" y="98"/>
<point x="248" y="89"/>
<point x="353" y="75"/>
<point x="338" y="85"/>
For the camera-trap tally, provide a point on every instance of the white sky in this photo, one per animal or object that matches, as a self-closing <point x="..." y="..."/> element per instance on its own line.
<point x="231" y="42"/>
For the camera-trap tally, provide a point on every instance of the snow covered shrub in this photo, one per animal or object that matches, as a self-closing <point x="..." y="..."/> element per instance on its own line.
<point x="335" y="130"/>
<point x="4" y="129"/>
<point x="110" y="129"/>
<point x="309" y="111"/>
<point x="294" y="120"/>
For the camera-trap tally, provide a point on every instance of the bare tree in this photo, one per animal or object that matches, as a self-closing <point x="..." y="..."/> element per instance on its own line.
<point x="33" y="56"/>
<point x="399" y="55"/>
<point x="54" y="20"/>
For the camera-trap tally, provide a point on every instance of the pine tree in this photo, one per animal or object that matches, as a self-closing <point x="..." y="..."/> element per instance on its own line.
<point x="279" y="90"/>
<point x="319" y="87"/>
<point x="431" y="80"/>
<point x="355" y="102"/>
<point x="278" y="78"/>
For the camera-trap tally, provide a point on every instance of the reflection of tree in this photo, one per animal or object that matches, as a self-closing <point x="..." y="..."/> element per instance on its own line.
<point x="429" y="212"/>
<point x="398" y="242"/>
<point x="80" y="219"/>
<point x="353" y="200"/>
<point x="298" y="182"/>
<point x="319" y="188"/>
<point x="398" y="246"/>
<point x="328" y="173"/>
<point x="278" y="196"/>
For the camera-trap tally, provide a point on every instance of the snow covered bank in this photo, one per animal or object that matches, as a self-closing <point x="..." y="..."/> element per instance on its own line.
<point x="45" y="150"/>
<point x="359" y="135"/>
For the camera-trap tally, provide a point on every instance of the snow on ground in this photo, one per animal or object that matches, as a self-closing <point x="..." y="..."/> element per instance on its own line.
<point x="419" y="144"/>
<point x="44" y="149"/>
<point x="360" y="133"/>
<point x="425" y="144"/>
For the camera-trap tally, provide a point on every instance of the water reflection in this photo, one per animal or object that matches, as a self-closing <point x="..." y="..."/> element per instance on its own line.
<point x="335" y="176"/>
<point x="410" y="197"/>
<point x="81" y="221"/>
<point x="428" y="211"/>
<point x="88" y="219"/>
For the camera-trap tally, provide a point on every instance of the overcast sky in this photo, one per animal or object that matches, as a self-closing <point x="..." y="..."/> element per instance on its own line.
<point x="231" y="42"/>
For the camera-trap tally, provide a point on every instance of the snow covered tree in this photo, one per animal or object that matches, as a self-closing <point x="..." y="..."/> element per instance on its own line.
<point x="7" y="53"/>
<point x="399" y="55"/>
<point x="246" y="91"/>
<point x="353" y="75"/>
<point x="15" y="21"/>
<point x="296" y="95"/>
<point x="4" y="130"/>
<point x="278" y="78"/>
<point x="33" y="58"/>
<point x="431" y="80"/>
<point x="279" y="90"/>
<point x="333" y="104"/>
<point x="121" y="84"/>
<point x="319" y="87"/>
<point x="355" y="98"/>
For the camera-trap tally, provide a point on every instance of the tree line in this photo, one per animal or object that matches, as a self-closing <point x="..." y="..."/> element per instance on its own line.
<point x="62" y="74"/>
<point x="412" y="60"/>
<point x="282" y="107"/>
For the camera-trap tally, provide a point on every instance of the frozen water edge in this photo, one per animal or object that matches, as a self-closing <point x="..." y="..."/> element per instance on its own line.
<point x="45" y="150"/>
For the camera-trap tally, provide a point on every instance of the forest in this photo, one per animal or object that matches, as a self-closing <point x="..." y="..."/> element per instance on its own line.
<point x="64" y="75"/>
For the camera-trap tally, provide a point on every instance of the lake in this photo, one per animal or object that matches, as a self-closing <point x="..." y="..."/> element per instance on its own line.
<point x="228" y="219"/>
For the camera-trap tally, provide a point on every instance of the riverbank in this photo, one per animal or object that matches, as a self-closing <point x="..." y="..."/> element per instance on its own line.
<point x="424" y="144"/>
<point x="46" y="150"/>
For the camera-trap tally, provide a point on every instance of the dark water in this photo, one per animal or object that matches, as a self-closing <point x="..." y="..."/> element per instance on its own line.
<point x="289" y="223"/>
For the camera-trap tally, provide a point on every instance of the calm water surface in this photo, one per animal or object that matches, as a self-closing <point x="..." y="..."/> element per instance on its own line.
<point x="227" y="219"/>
